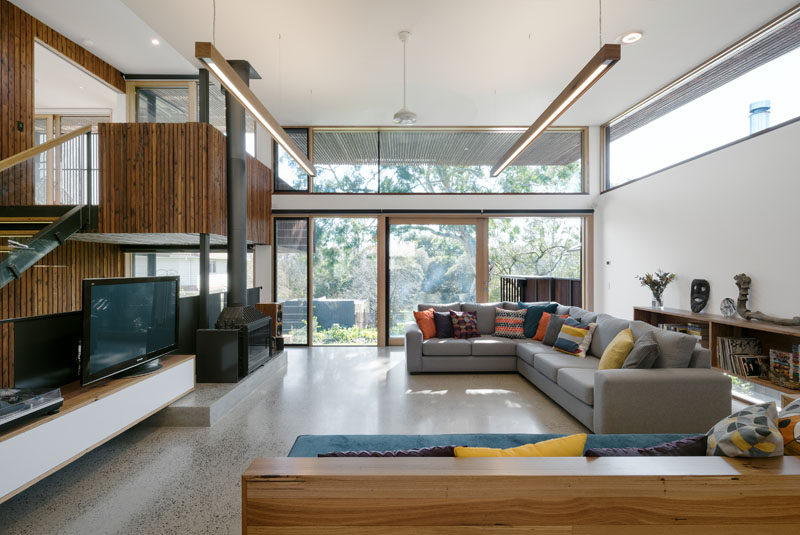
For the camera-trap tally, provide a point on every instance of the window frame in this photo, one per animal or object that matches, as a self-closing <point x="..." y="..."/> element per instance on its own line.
<point x="132" y="85"/>
<point x="698" y="70"/>
<point x="481" y="218"/>
<point x="583" y="130"/>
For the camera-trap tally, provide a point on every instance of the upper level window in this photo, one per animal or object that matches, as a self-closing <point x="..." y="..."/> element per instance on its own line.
<point x="160" y="104"/>
<point x="289" y="176"/>
<point x="750" y="87"/>
<point x="434" y="160"/>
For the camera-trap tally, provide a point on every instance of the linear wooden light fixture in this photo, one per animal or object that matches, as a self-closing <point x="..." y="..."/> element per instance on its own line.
<point x="216" y="63"/>
<point x="607" y="56"/>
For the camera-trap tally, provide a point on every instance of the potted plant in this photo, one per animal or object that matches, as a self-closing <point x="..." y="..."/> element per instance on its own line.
<point x="657" y="283"/>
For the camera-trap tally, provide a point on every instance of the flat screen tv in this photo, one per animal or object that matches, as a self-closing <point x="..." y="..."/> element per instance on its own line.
<point x="126" y="323"/>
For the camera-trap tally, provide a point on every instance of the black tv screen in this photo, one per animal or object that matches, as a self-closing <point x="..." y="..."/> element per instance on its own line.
<point x="127" y="322"/>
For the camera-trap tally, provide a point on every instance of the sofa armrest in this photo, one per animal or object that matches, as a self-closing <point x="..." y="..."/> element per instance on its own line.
<point x="663" y="400"/>
<point x="413" y="344"/>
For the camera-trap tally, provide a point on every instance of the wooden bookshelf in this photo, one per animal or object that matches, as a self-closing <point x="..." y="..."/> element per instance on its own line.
<point x="771" y="336"/>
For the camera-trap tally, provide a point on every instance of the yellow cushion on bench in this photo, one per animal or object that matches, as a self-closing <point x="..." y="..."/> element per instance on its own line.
<point x="571" y="446"/>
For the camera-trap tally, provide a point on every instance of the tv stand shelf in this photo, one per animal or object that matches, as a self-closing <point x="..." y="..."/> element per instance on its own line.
<point x="772" y="336"/>
<point x="89" y="417"/>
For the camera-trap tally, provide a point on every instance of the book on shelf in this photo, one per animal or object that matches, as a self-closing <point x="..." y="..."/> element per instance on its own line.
<point x="733" y="353"/>
<point x="685" y="328"/>
<point x="785" y="365"/>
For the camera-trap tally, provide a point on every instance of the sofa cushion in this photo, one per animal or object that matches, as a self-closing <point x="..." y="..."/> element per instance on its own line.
<point x="465" y="324"/>
<point x="446" y="347"/>
<point x="579" y="382"/>
<point x="549" y="363"/>
<point x="509" y="305"/>
<point x="674" y="349"/>
<point x="607" y="328"/>
<point x="553" y="329"/>
<point x="441" y="307"/>
<point x="533" y="316"/>
<point x="750" y="432"/>
<point x="487" y="345"/>
<point x="508" y="323"/>
<point x="582" y="315"/>
<point x="617" y="351"/>
<point x="444" y="326"/>
<point x="562" y="310"/>
<point x="485" y="313"/>
<point x="574" y="338"/>
<point x="644" y="352"/>
<point x="527" y="350"/>
<point x="425" y="323"/>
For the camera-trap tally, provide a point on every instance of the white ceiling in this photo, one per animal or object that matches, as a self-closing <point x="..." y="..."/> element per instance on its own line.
<point x="470" y="62"/>
<point x="119" y="37"/>
<point x="61" y="85"/>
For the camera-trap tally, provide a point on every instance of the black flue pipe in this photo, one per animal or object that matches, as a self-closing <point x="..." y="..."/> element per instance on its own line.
<point x="237" y="192"/>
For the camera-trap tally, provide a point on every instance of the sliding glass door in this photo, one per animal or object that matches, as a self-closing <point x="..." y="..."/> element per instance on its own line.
<point x="356" y="280"/>
<point x="547" y="247"/>
<point x="429" y="262"/>
<point x="344" y="264"/>
<point x="291" y="277"/>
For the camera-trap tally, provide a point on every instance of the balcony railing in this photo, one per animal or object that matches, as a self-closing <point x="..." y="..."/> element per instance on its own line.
<point x="537" y="288"/>
<point x="68" y="174"/>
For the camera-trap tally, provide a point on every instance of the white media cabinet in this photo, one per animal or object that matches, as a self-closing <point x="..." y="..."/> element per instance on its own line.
<point x="89" y="417"/>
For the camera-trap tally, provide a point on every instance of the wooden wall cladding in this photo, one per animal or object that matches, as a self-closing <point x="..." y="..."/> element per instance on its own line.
<point x="79" y="56"/>
<point x="53" y="285"/>
<point x="259" y="201"/>
<point x="18" y="31"/>
<point x="16" y="101"/>
<point x="170" y="178"/>
<point x="162" y="177"/>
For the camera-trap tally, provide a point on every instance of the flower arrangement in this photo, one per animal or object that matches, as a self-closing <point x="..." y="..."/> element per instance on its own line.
<point x="657" y="283"/>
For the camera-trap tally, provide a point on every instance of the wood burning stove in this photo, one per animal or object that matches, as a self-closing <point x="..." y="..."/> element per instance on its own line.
<point x="228" y="355"/>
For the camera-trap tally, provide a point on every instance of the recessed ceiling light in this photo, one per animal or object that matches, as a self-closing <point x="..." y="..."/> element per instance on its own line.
<point x="630" y="37"/>
<point x="88" y="42"/>
<point x="155" y="42"/>
<point x="80" y="87"/>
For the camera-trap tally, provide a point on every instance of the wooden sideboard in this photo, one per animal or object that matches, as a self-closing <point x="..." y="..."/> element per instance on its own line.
<point x="713" y="326"/>
<point x="564" y="495"/>
<point x="89" y="417"/>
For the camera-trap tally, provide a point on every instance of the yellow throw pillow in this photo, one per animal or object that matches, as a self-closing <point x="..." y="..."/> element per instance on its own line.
<point x="617" y="351"/>
<point x="571" y="446"/>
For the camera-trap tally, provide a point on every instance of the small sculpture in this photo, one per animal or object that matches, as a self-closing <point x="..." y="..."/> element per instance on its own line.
<point x="700" y="292"/>
<point x="743" y="282"/>
<point x="727" y="307"/>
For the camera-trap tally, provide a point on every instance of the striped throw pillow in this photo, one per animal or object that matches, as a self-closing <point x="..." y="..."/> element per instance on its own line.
<point x="574" y="338"/>
<point x="509" y="323"/>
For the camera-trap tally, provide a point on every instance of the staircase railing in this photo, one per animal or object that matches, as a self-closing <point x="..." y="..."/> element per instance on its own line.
<point x="76" y="172"/>
<point x="30" y="230"/>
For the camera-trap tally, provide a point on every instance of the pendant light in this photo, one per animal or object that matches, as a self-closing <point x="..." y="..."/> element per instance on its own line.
<point x="404" y="116"/>
<point x="606" y="57"/>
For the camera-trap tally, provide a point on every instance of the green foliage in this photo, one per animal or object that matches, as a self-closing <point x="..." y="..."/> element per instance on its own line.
<point x="657" y="283"/>
<point x="338" y="335"/>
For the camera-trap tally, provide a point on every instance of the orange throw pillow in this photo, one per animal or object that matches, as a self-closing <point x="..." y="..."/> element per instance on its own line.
<point x="426" y="323"/>
<point x="543" y="323"/>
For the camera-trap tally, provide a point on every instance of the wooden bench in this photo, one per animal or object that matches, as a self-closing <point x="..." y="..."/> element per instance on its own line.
<point x="564" y="495"/>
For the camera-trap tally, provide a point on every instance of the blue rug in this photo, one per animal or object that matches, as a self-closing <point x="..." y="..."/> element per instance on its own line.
<point x="312" y="445"/>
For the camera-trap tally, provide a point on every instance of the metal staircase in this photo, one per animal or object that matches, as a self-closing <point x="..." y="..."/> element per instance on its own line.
<point x="28" y="233"/>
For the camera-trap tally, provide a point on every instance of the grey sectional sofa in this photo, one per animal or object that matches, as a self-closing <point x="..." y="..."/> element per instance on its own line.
<point x="680" y="394"/>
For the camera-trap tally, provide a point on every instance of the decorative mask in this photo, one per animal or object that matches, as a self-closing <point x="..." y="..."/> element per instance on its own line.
<point x="700" y="292"/>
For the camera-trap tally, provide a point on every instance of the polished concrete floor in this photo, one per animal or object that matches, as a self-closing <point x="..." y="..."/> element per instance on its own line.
<point x="187" y="480"/>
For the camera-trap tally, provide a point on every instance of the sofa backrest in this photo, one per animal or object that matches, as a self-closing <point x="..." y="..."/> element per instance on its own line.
<point x="675" y="350"/>
<point x="486" y="315"/>
<point x="442" y="307"/>
<point x="607" y="328"/>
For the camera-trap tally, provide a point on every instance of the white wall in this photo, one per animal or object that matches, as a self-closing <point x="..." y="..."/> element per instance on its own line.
<point x="731" y="211"/>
